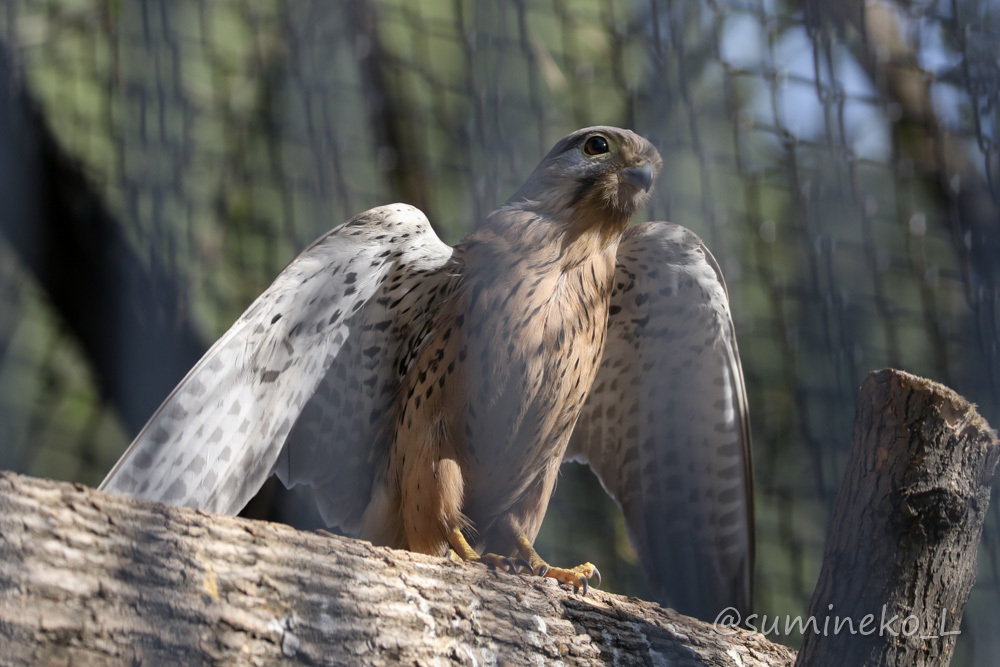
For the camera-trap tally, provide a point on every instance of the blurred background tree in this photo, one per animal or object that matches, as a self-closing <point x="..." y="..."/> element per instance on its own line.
<point x="162" y="160"/>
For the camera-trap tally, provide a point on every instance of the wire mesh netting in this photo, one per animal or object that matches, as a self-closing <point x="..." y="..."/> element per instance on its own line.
<point x="841" y="163"/>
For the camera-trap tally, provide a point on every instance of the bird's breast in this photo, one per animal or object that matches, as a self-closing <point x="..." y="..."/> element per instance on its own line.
<point x="534" y="346"/>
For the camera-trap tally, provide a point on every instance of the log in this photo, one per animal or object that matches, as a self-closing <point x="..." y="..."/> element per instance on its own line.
<point x="902" y="545"/>
<point x="93" y="578"/>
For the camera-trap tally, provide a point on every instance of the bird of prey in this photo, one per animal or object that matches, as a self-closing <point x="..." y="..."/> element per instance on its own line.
<point x="429" y="394"/>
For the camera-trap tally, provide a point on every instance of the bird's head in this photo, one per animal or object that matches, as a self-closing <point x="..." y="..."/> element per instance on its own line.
<point x="595" y="176"/>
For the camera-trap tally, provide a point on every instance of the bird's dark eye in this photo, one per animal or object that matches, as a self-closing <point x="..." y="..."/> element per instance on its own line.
<point x="596" y="145"/>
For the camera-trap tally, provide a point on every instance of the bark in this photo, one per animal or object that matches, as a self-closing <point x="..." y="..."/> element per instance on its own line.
<point x="93" y="578"/>
<point x="906" y="528"/>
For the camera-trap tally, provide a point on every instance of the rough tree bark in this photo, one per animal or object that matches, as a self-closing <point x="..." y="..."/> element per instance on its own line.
<point x="92" y="578"/>
<point x="905" y="533"/>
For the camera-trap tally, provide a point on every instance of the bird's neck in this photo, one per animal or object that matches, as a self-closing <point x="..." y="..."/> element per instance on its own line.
<point x="559" y="244"/>
<point x="589" y="244"/>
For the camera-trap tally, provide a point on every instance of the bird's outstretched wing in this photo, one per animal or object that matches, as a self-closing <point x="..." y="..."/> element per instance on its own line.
<point x="327" y="320"/>
<point x="666" y="428"/>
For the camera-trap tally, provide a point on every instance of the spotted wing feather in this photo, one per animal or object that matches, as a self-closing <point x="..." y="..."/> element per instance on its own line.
<point x="215" y="440"/>
<point x="665" y="427"/>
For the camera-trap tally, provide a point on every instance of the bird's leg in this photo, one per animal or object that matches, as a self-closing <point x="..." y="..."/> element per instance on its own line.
<point x="578" y="577"/>
<point x="460" y="547"/>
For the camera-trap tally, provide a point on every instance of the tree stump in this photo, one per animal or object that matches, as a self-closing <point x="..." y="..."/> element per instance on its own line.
<point x="900" y="558"/>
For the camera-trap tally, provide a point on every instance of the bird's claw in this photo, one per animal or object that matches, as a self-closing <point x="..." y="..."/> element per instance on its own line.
<point x="493" y="561"/>
<point x="521" y="563"/>
<point x="461" y="551"/>
<point x="578" y="577"/>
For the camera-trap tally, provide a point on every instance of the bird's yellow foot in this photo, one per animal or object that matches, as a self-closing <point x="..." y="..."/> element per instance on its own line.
<point x="578" y="577"/>
<point x="461" y="551"/>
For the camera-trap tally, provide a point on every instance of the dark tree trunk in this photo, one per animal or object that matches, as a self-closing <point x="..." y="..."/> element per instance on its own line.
<point x="903" y="542"/>
<point x="130" y="317"/>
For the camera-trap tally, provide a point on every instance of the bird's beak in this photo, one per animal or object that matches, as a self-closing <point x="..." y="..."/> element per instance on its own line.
<point x="640" y="175"/>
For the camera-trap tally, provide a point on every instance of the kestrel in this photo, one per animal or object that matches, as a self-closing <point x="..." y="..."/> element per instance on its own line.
<point x="430" y="394"/>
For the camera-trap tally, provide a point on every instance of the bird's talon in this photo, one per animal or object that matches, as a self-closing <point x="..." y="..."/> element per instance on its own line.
<point x="461" y="551"/>
<point x="520" y="562"/>
<point x="495" y="562"/>
<point x="577" y="577"/>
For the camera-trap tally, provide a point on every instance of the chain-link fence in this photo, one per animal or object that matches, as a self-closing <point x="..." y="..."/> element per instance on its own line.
<point x="840" y="159"/>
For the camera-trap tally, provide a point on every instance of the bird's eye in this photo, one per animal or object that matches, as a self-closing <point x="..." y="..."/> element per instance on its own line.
<point x="596" y="145"/>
